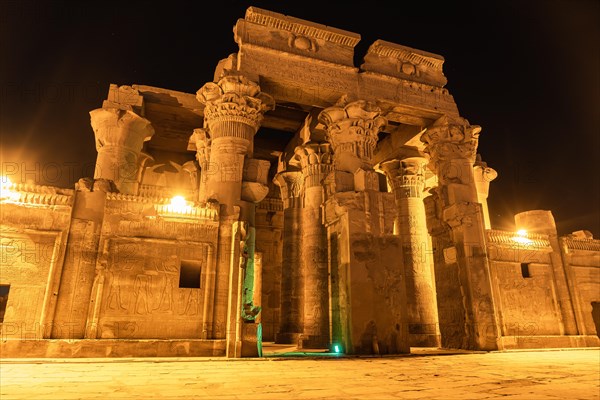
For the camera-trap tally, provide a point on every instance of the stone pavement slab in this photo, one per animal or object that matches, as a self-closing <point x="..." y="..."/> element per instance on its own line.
<point x="544" y="375"/>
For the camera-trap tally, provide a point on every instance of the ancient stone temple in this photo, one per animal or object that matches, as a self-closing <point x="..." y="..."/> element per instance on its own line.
<point x="296" y="198"/>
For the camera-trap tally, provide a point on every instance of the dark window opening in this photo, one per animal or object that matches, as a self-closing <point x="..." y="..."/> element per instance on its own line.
<point x="189" y="275"/>
<point x="4" y="289"/>
<point x="525" y="270"/>
<point x="596" y="316"/>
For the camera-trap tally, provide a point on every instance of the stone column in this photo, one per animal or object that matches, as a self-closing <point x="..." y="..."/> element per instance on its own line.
<point x="120" y="136"/>
<point x="407" y="179"/>
<point x="452" y="144"/>
<point x="483" y="175"/>
<point x="234" y="108"/>
<point x="316" y="162"/>
<point x="292" y="284"/>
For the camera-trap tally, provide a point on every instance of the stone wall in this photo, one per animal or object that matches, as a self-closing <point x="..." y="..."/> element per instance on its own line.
<point x="33" y="238"/>
<point x="368" y="293"/>
<point x="269" y="225"/>
<point x="581" y="256"/>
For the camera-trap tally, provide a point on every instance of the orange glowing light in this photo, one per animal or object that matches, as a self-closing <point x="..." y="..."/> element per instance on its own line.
<point x="179" y="205"/>
<point x="6" y="193"/>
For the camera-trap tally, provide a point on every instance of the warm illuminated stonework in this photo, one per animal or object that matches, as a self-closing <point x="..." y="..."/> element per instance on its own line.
<point x="296" y="199"/>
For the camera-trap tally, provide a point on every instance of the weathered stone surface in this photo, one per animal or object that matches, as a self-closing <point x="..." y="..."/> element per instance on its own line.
<point x="407" y="179"/>
<point x="252" y="210"/>
<point x="406" y="63"/>
<point x="262" y="28"/>
<point x="120" y="135"/>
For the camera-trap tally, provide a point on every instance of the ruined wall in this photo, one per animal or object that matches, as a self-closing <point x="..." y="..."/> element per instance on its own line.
<point x="269" y="225"/>
<point x="146" y="250"/>
<point x="368" y="294"/>
<point x="524" y="284"/>
<point x="33" y="231"/>
<point x="79" y="267"/>
<point x="582" y="260"/>
<point x="450" y="301"/>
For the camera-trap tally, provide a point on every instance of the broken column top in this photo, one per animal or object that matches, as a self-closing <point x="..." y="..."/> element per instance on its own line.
<point x="293" y="35"/>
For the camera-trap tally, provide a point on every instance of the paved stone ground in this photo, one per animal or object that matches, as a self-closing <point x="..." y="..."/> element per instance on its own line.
<point x="566" y="374"/>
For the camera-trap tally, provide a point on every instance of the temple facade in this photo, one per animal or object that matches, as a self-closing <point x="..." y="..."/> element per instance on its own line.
<point x="296" y="199"/>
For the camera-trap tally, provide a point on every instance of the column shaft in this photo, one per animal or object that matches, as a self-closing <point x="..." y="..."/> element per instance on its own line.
<point x="407" y="179"/>
<point x="292" y="282"/>
<point x="316" y="162"/>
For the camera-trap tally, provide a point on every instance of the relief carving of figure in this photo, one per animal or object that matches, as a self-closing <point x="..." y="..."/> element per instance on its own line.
<point x="193" y="302"/>
<point x="169" y="268"/>
<point x="141" y="290"/>
<point x="114" y="294"/>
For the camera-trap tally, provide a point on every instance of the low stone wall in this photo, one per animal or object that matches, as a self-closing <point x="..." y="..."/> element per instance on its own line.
<point x="111" y="348"/>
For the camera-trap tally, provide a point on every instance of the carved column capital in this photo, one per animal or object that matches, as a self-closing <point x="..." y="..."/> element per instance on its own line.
<point x="200" y="142"/>
<point x="450" y="139"/>
<point x="406" y="176"/>
<point x="120" y="135"/>
<point x="234" y="106"/>
<point x="316" y="162"/>
<point x="483" y="175"/>
<point x="123" y="128"/>
<point x="291" y="184"/>
<point x="352" y="130"/>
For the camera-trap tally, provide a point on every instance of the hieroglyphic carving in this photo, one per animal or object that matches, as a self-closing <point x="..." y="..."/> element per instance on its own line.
<point x="143" y="284"/>
<point x="321" y="84"/>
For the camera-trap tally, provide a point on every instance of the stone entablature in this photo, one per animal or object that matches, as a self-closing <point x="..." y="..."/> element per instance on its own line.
<point x="163" y="193"/>
<point x="36" y="195"/>
<point x="164" y="208"/>
<point x="406" y="63"/>
<point x="35" y="208"/>
<point x="125" y="97"/>
<point x="302" y="27"/>
<point x="530" y="241"/>
<point x="293" y="35"/>
<point x="582" y="244"/>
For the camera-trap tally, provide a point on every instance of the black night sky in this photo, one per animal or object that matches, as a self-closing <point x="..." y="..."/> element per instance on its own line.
<point x="528" y="72"/>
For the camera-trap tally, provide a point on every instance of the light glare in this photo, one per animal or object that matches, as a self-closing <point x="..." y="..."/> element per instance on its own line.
<point x="5" y="192"/>
<point x="179" y="205"/>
